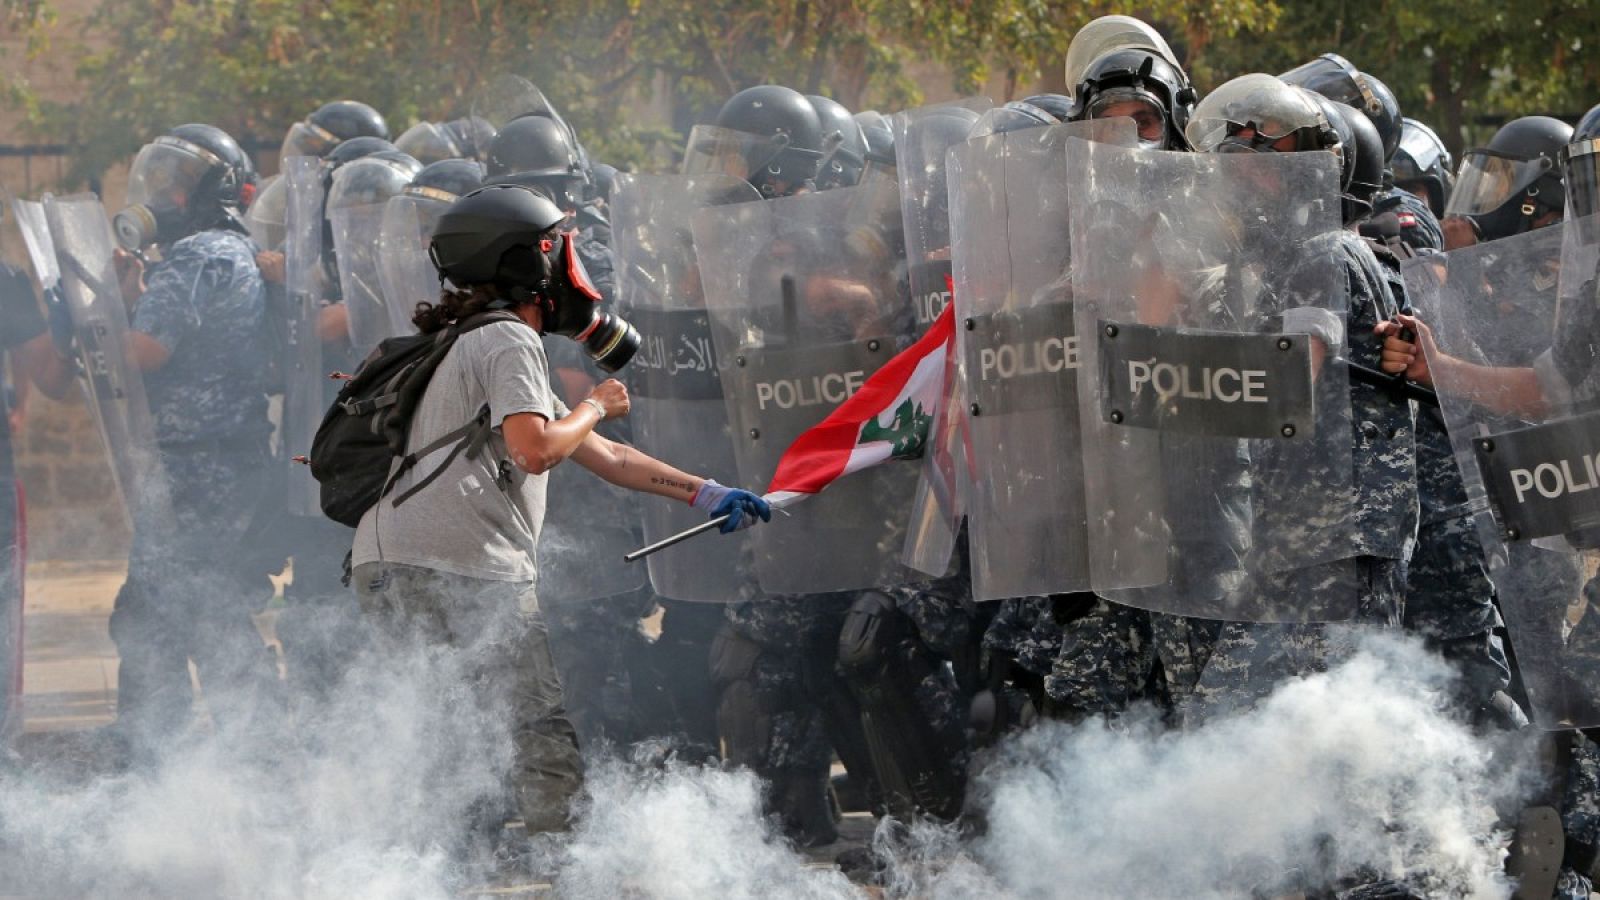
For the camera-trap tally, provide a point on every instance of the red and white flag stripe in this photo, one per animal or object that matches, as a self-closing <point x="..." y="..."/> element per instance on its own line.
<point x="875" y="424"/>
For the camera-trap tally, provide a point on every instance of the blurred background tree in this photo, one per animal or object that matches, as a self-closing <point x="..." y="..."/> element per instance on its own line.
<point x="255" y="66"/>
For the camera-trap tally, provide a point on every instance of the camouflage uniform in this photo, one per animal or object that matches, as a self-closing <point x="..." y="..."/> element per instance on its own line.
<point x="185" y="596"/>
<point x="1419" y="227"/>
<point x="1249" y="659"/>
<point x="1105" y="662"/>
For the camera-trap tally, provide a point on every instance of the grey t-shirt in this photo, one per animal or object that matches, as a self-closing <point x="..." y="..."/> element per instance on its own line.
<point x="463" y="523"/>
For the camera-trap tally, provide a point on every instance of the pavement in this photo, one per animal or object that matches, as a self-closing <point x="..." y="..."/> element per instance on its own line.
<point x="69" y="675"/>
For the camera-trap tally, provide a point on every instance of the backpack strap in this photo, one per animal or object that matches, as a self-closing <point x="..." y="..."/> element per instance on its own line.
<point x="470" y="437"/>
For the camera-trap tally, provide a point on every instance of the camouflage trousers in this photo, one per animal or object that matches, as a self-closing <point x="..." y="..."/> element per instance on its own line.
<point x="790" y="670"/>
<point x="1250" y="659"/>
<point x="186" y="599"/>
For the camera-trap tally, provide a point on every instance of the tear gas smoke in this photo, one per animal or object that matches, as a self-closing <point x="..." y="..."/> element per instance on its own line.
<point x="1357" y="767"/>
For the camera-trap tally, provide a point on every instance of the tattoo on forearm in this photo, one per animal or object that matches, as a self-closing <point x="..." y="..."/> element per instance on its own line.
<point x="684" y="486"/>
<point x="622" y="458"/>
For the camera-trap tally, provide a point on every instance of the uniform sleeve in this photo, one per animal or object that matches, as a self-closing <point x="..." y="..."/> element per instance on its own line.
<point x="168" y="310"/>
<point x="515" y="373"/>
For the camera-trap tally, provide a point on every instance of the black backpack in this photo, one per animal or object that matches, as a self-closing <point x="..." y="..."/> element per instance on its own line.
<point x="364" y="431"/>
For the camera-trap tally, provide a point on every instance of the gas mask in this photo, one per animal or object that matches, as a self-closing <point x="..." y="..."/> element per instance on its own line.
<point x="570" y="301"/>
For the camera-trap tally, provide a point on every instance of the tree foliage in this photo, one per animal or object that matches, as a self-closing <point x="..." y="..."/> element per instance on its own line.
<point x="255" y="66"/>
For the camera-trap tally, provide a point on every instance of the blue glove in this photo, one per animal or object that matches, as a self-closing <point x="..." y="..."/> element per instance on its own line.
<point x="741" y="507"/>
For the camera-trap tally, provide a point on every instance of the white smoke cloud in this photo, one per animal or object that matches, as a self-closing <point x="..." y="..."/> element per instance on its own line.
<point x="1357" y="767"/>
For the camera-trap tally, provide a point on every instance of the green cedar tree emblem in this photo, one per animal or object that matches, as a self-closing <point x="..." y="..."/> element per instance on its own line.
<point x="907" y="432"/>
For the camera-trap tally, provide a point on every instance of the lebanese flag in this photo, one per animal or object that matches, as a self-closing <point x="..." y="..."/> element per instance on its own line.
<point x="888" y="418"/>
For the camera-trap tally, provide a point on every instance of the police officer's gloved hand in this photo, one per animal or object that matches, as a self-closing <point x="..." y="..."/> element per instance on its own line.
<point x="740" y="506"/>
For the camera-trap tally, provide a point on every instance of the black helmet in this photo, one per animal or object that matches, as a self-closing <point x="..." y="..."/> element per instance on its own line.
<point x="1332" y="76"/>
<point x="1141" y="76"/>
<point x="1344" y="142"/>
<point x="537" y="152"/>
<point x="1059" y="105"/>
<point x="489" y="235"/>
<point x="1365" y="155"/>
<point x="788" y="148"/>
<point x="371" y="179"/>
<point x="1017" y="115"/>
<point x="1504" y="187"/>
<point x="506" y="235"/>
<point x="192" y="178"/>
<point x="447" y="180"/>
<point x="430" y="142"/>
<point x="1271" y="110"/>
<point x="844" y="146"/>
<point x="605" y="180"/>
<point x="1422" y="166"/>
<point x="332" y="124"/>
<point x="354" y="149"/>
<point x="878" y="135"/>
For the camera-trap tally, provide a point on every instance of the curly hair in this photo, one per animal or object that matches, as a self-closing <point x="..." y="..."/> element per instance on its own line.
<point x="453" y="306"/>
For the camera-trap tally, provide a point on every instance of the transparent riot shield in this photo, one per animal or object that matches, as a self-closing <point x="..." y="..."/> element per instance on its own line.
<point x="806" y="302"/>
<point x="407" y="274"/>
<point x="304" y="392"/>
<point x="357" y="231"/>
<point x="510" y="97"/>
<point x="1523" y="413"/>
<point x="1209" y="301"/>
<point x="921" y="138"/>
<point x="81" y="236"/>
<point x="1015" y="335"/>
<point x="679" y="414"/>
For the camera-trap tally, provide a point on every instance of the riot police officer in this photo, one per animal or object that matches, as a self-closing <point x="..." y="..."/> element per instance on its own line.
<point x="198" y="318"/>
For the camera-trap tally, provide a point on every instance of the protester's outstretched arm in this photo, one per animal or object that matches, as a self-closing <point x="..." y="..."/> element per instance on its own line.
<point x="632" y="468"/>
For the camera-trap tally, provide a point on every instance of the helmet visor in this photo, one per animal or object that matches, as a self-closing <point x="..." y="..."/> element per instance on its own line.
<point x="1333" y="77"/>
<point x="1423" y="150"/>
<point x="1109" y="33"/>
<point x="427" y="143"/>
<point x="1259" y="104"/>
<point x="167" y="171"/>
<point x="306" y="139"/>
<point x="1581" y="162"/>
<point x="367" y="181"/>
<point x="1143" y="107"/>
<point x="1489" y="179"/>
<point x="265" y="220"/>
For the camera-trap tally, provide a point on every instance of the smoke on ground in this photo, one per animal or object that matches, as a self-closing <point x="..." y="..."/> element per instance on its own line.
<point x="1359" y="767"/>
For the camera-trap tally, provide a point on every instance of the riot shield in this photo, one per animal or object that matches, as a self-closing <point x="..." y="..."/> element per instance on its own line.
<point x="357" y="231"/>
<point x="304" y="398"/>
<point x="407" y="275"/>
<point x="806" y="302"/>
<point x="678" y="410"/>
<point x="510" y="97"/>
<point x="81" y="236"/>
<point x="1015" y="335"/>
<point x="1216" y="422"/>
<point x="921" y="138"/>
<point x="1524" y="419"/>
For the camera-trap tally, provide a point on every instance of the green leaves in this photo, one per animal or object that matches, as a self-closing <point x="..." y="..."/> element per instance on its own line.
<point x="256" y="66"/>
